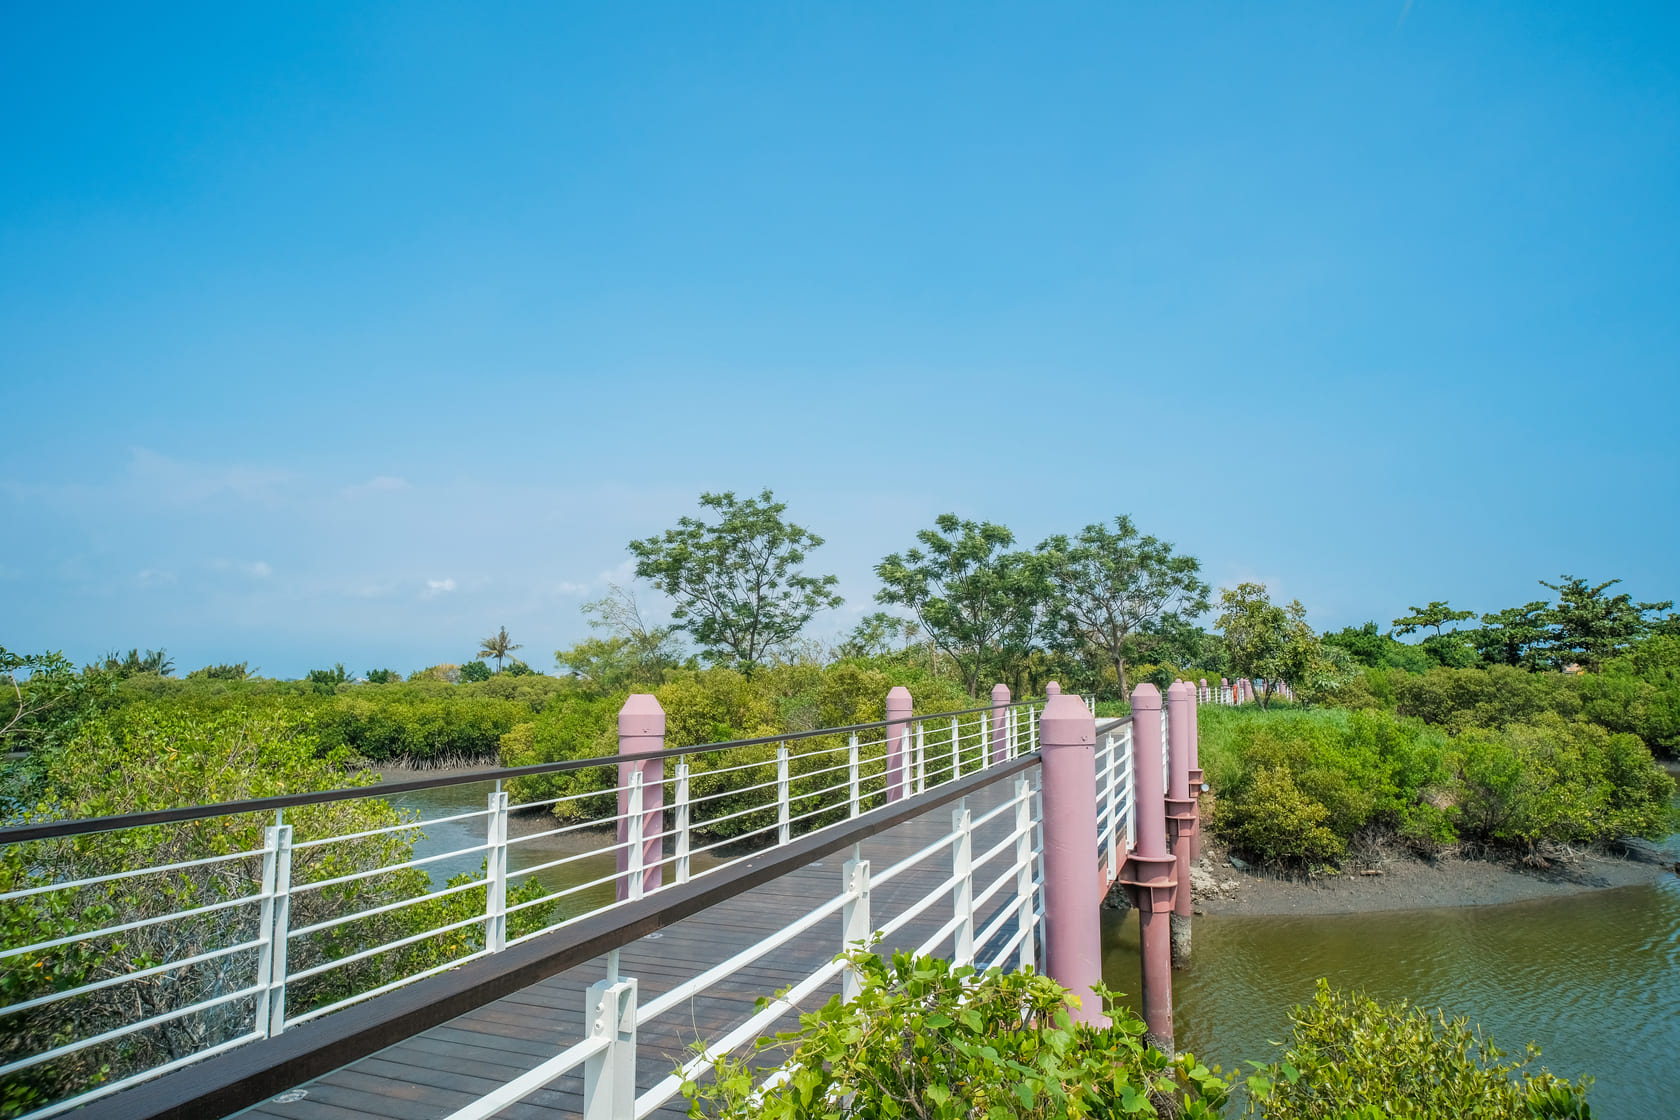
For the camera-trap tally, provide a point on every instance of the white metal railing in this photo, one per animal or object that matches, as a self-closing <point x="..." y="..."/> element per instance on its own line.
<point x="994" y="925"/>
<point x="326" y="905"/>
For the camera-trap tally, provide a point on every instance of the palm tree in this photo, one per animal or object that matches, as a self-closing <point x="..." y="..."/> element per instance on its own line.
<point x="498" y="646"/>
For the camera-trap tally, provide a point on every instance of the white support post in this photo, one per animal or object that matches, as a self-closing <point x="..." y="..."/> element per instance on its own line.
<point x="636" y="867"/>
<point x="1014" y="733"/>
<point x="962" y="892"/>
<point x="1113" y="810"/>
<point x="784" y="830"/>
<point x="984" y="719"/>
<point x="852" y="758"/>
<point x="276" y="921"/>
<point x="855" y="924"/>
<point x="1032" y="731"/>
<point x="609" y="1076"/>
<point x="906" y="776"/>
<point x="682" y="821"/>
<point x="1131" y="791"/>
<point x="921" y="758"/>
<point x="956" y="749"/>
<point x="1024" y="870"/>
<point x="495" y="872"/>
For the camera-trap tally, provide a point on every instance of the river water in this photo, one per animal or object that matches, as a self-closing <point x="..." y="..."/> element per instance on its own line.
<point x="1594" y="978"/>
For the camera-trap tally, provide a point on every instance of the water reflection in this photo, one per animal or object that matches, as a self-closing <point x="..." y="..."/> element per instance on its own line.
<point x="1593" y="978"/>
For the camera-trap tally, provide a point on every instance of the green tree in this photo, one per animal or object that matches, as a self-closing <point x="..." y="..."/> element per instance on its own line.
<point x="634" y="651"/>
<point x="474" y="672"/>
<point x="1590" y="627"/>
<point x="876" y="635"/>
<point x="135" y="663"/>
<point x="47" y="697"/>
<point x="1258" y="634"/>
<point x="737" y="583"/>
<point x="1436" y="614"/>
<point x="1515" y="635"/>
<point x="976" y="600"/>
<point x="325" y="680"/>
<point x="237" y="671"/>
<point x="499" y="646"/>
<point x="1115" y="588"/>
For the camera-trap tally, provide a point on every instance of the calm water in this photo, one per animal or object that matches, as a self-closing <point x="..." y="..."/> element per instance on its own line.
<point x="1594" y="979"/>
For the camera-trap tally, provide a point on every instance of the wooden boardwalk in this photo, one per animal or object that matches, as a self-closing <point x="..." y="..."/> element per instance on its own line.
<point x="432" y="1074"/>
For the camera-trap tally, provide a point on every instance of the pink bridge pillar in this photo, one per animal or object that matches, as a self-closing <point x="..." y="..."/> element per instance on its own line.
<point x="899" y="706"/>
<point x="1000" y="723"/>
<point x="1223" y="686"/>
<point x="1148" y="873"/>
<point x="641" y="728"/>
<point x="1196" y="778"/>
<point x="1181" y="812"/>
<point x="1067" y="738"/>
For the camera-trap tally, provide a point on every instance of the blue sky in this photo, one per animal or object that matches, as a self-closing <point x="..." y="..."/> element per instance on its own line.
<point x="356" y="331"/>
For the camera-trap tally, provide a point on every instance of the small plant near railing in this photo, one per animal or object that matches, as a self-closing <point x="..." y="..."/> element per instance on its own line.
<point x="929" y="1040"/>
<point x="1352" y="1057"/>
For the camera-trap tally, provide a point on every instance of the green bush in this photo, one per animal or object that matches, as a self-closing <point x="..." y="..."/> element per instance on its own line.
<point x="1276" y="822"/>
<point x="1351" y="1058"/>
<point x="925" y="1039"/>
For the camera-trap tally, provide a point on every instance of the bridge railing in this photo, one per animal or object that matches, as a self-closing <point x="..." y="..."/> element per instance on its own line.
<point x="136" y="945"/>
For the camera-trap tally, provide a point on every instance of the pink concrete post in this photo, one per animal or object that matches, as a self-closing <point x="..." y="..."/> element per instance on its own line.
<point x="641" y="728"/>
<point x="1223" y="685"/>
<point x="1196" y="778"/>
<point x="1067" y="739"/>
<point x="899" y="706"/>
<point x="1148" y="874"/>
<point x="1000" y="723"/>
<point x="1181" y="814"/>
<point x="1202" y="695"/>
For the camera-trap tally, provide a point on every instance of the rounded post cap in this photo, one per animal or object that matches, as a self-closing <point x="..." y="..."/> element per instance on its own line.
<point x="1146" y="697"/>
<point x="641" y="716"/>
<point x="1066" y="722"/>
<point x="1223" y="683"/>
<point x="1000" y="694"/>
<point x="898" y="702"/>
<point x="1180" y="690"/>
<point x="1204" y="682"/>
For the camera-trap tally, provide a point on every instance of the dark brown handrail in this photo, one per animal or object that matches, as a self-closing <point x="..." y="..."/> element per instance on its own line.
<point x="250" y="1074"/>
<point x="49" y="830"/>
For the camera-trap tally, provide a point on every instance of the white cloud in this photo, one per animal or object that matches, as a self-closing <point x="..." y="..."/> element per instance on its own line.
<point x="567" y="587"/>
<point x="257" y="569"/>
<point x="438" y="587"/>
<point x="154" y="577"/>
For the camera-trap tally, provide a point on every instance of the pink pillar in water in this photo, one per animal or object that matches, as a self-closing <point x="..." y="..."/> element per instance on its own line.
<point x="1196" y="776"/>
<point x="1149" y="871"/>
<point x="898" y="722"/>
<point x="1181" y="813"/>
<point x="641" y="728"/>
<point x="1067" y="739"/>
<point x="1000" y="723"/>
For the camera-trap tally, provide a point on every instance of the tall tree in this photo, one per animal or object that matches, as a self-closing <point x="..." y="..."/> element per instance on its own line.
<point x="1515" y="635"/>
<point x="736" y="583"/>
<point x="633" y="651"/>
<point x="1436" y="614"/>
<point x="1259" y="635"/>
<point x="497" y="645"/>
<point x="975" y="599"/>
<point x="1111" y="588"/>
<point x="1590" y="627"/>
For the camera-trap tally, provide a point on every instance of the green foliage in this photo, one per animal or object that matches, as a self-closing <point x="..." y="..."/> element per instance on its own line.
<point x="1515" y="636"/>
<point x="1374" y="649"/>
<point x="1435" y="615"/>
<point x="475" y="672"/>
<point x="1113" y="590"/>
<point x="1590" y="627"/>
<point x="150" y="756"/>
<point x="237" y="671"/>
<point x="135" y="663"/>
<point x="924" y="1039"/>
<point x="43" y="699"/>
<point x="384" y="676"/>
<point x="1495" y="697"/>
<point x="1269" y="643"/>
<point x="737" y="584"/>
<point x="1638" y="693"/>
<point x="1351" y="1058"/>
<point x="326" y="680"/>
<point x="976" y="600"/>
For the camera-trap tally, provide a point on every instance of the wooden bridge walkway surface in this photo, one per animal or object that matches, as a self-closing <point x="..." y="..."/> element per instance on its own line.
<point x="434" y="1073"/>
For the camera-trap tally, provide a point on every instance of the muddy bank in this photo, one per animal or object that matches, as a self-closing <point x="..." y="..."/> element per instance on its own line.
<point x="1397" y="881"/>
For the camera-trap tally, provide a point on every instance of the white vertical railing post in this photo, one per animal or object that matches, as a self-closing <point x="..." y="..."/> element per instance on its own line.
<point x="962" y="892"/>
<point x="921" y="757"/>
<point x="784" y="830"/>
<point x="1112" y="803"/>
<point x="636" y="868"/>
<point x="682" y="821"/>
<point x="609" y="1076"/>
<point x="984" y="727"/>
<point x="907" y="776"/>
<point x="276" y="921"/>
<point x="852" y="763"/>
<point x="1131" y="793"/>
<point x="1024" y="870"/>
<point x="855" y="924"/>
<point x="1032" y="731"/>
<point x="495" y="872"/>
<point x="956" y="749"/>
